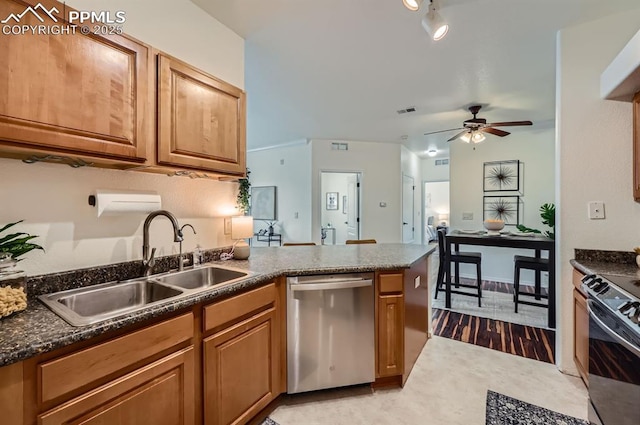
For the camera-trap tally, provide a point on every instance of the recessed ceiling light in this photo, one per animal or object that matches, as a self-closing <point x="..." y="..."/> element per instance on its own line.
<point x="432" y="152"/>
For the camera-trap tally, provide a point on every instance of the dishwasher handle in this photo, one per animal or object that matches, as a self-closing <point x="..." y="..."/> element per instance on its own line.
<point x="323" y="286"/>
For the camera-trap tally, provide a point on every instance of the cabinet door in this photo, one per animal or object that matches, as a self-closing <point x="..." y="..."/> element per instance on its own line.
<point x="161" y="393"/>
<point x="240" y="370"/>
<point x="72" y="92"/>
<point x="201" y="120"/>
<point x="390" y="335"/>
<point x="581" y="334"/>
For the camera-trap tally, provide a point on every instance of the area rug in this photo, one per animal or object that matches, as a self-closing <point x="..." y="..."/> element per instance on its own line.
<point x="504" y="410"/>
<point x="269" y="421"/>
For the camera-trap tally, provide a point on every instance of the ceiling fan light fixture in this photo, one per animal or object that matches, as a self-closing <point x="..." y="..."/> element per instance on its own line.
<point x="473" y="136"/>
<point x="434" y="24"/>
<point x="432" y="152"/>
<point x="412" y="5"/>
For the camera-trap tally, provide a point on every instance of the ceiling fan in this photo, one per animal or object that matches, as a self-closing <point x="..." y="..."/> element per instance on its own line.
<point x="473" y="129"/>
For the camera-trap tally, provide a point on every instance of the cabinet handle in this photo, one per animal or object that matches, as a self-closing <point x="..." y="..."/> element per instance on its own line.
<point x="71" y="162"/>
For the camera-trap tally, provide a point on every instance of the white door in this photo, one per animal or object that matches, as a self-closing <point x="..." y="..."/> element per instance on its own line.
<point x="353" y="207"/>
<point x="408" y="229"/>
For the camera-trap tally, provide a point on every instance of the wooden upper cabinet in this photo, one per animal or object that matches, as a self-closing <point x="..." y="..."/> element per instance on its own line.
<point x="201" y="120"/>
<point x="636" y="147"/>
<point x="74" y="93"/>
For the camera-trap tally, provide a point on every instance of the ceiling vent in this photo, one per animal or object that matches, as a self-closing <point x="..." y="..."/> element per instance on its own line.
<point x="407" y="110"/>
<point x="339" y="146"/>
<point x="442" y="161"/>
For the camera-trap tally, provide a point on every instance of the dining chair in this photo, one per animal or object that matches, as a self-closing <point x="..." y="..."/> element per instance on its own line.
<point x="298" y="243"/>
<point x="538" y="265"/>
<point x="359" y="241"/>
<point x="457" y="257"/>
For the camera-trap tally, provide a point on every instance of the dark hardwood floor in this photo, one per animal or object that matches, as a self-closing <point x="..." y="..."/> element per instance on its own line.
<point x="524" y="341"/>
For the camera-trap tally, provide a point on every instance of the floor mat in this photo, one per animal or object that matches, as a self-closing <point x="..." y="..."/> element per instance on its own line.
<point x="269" y="421"/>
<point x="504" y="410"/>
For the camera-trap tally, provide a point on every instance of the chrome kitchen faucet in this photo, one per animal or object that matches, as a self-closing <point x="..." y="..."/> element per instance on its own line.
<point x="149" y="260"/>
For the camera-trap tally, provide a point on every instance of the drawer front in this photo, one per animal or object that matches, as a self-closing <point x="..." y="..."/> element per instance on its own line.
<point x="234" y="309"/>
<point x="390" y="283"/>
<point x="66" y="374"/>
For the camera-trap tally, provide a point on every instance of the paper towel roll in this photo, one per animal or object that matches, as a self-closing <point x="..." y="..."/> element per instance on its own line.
<point x="110" y="202"/>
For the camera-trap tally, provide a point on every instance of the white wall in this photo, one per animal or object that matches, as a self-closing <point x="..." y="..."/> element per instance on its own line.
<point x="379" y="164"/>
<point x="535" y="150"/>
<point x="412" y="166"/>
<point x="52" y="198"/>
<point x="289" y="169"/>
<point x="594" y="151"/>
<point x="432" y="172"/>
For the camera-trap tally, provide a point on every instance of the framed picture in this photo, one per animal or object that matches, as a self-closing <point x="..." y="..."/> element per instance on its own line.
<point x="263" y="203"/>
<point x="501" y="176"/>
<point x="344" y="204"/>
<point x="332" y="200"/>
<point x="506" y="208"/>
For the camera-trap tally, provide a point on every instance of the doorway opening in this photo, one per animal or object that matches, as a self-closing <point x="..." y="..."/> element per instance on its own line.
<point x="436" y="209"/>
<point x="339" y="206"/>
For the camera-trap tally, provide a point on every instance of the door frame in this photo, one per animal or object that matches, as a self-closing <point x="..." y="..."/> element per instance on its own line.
<point x="424" y="210"/>
<point x="318" y="222"/>
<point x="413" y="210"/>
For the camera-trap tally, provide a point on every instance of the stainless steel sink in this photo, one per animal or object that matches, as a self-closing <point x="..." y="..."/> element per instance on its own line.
<point x="204" y="277"/>
<point x="93" y="304"/>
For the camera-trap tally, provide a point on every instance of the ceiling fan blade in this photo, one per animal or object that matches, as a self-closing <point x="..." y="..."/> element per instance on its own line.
<point x="495" y="131"/>
<point x="458" y="135"/>
<point x="509" y="123"/>
<point x="443" y="131"/>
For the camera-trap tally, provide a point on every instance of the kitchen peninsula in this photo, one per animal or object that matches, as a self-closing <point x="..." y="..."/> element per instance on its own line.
<point x="201" y="343"/>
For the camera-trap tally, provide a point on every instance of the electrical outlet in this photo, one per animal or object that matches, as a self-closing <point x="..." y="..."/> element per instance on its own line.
<point x="596" y="210"/>
<point x="467" y="216"/>
<point x="416" y="282"/>
<point x="227" y="225"/>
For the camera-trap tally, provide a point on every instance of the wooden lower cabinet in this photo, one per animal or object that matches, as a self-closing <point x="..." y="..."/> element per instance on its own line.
<point x="241" y="366"/>
<point x="161" y="393"/>
<point x="390" y="335"/>
<point x="581" y="334"/>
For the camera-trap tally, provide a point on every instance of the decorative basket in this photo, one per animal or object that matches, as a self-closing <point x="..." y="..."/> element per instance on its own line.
<point x="13" y="291"/>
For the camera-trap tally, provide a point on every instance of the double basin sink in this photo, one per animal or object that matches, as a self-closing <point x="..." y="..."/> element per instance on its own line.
<point x="93" y="304"/>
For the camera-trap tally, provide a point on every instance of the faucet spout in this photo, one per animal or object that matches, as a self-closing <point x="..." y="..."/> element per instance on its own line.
<point x="147" y="261"/>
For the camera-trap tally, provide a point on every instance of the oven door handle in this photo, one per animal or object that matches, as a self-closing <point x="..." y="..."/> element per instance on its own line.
<point x="635" y="350"/>
<point x="328" y="285"/>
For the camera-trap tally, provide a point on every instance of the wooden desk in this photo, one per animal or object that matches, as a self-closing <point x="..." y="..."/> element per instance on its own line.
<point x="537" y="243"/>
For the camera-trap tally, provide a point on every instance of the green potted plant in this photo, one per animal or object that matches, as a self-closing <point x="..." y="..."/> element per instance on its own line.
<point x="244" y="193"/>
<point x="548" y="215"/>
<point x="17" y="244"/>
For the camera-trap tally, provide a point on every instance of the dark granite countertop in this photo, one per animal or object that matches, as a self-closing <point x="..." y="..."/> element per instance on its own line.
<point x="603" y="267"/>
<point x="38" y="330"/>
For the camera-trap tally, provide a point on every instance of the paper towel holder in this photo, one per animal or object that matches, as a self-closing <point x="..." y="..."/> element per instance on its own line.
<point x="111" y="202"/>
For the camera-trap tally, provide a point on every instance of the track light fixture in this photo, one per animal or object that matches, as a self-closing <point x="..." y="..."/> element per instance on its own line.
<point x="433" y="23"/>
<point x="412" y="5"/>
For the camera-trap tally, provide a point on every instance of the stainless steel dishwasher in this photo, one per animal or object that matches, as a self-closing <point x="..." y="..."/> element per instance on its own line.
<point x="330" y="331"/>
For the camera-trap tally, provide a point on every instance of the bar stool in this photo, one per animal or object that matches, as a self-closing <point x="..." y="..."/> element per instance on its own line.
<point x="530" y="263"/>
<point x="457" y="257"/>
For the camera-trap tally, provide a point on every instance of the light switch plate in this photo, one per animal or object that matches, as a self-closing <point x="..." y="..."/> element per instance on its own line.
<point x="467" y="216"/>
<point x="416" y="282"/>
<point x="383" y="204"/>
<point x="227" y="225"/>
<point x="596" y="210"/>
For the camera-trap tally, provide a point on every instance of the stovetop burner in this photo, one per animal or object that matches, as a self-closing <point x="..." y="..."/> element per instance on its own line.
<point x="629" y="284"/>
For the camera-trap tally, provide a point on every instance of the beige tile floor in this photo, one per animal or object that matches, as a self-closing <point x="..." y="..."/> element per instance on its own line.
<point x="448" y="386"/>
<point x="497" y="306"/>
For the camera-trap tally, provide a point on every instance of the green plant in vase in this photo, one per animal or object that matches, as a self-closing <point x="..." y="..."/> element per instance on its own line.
<point x="17" y="244"/>
<point x="548" y="215"/>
